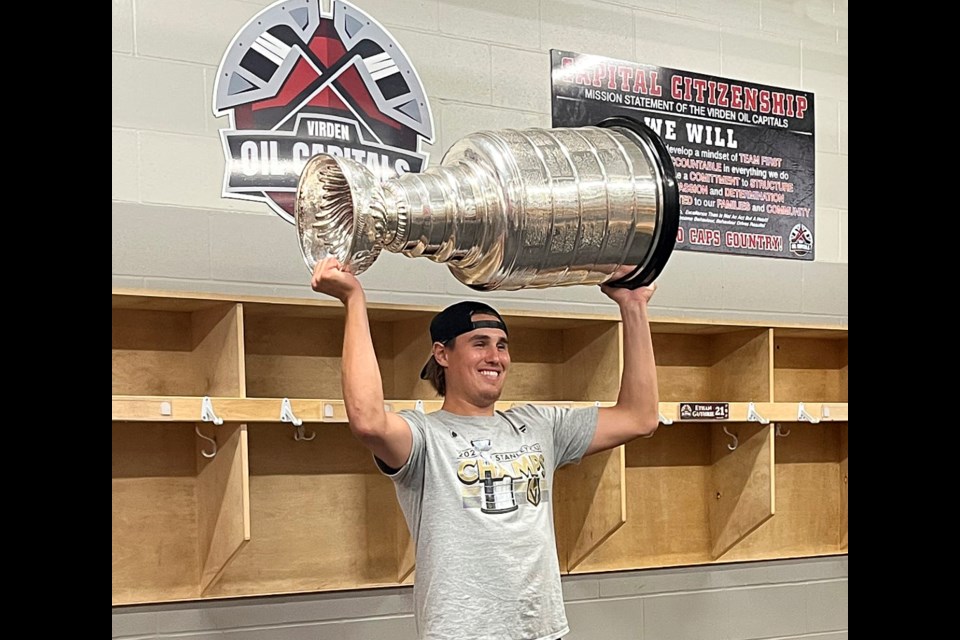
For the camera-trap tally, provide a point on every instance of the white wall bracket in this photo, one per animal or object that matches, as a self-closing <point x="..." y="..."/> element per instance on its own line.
<point x="804" y="416"/>
<point x="286" y="413"/>
<point x="753" y="416"/>
<point x="207" y="414"/>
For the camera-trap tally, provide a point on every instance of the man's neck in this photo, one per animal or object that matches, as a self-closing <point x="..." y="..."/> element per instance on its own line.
<point x="463" y="407"/>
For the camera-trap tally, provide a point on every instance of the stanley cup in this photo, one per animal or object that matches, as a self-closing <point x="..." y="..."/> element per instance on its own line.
<point x="507" y="209"/>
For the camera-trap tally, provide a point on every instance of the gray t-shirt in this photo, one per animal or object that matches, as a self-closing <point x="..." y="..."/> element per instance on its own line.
<point x="477" y="496"/>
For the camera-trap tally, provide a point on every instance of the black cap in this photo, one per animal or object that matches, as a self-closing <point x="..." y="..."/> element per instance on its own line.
<point x="457" y="319"/>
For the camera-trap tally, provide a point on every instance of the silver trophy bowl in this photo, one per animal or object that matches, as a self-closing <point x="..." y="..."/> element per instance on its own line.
<point x="508" y="209"/>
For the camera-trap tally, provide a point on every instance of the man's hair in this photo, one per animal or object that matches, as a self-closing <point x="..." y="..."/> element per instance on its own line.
<point x="435" y="374"/>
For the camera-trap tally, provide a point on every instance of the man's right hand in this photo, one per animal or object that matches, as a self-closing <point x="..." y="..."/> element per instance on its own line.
<point x="333" y="279"/>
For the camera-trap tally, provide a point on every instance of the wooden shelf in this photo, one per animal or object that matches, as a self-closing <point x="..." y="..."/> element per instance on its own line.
<point x="810" y="365"/>
<point x="810" y="482"/>
<point x="281" y="511"/>
<point x="713" y="363"/>
<point x="691" y="500"/>
<point x="185" y="408"/>
<point x="247" y="410"/>
<point x="179" y="347"/>
<point x="688" y="498"/>
<point x="178" y="517"/>
<point x="323" y="517"/>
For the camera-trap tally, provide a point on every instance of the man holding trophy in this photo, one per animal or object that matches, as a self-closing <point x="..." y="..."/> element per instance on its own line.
<point x="532" y="208"/>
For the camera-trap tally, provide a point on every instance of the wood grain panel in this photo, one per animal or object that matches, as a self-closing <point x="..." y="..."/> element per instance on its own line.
<point x="223" y="502"/>
<point x="741" y="496"/>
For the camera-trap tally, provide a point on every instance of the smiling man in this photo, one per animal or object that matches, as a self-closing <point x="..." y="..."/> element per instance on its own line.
<point x="476" y="484"/>
<point x="477" y="370"/>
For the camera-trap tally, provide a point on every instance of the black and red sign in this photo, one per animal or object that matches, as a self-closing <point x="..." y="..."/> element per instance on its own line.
<point x="743" y="152"/>
<point x="297" y="82"/>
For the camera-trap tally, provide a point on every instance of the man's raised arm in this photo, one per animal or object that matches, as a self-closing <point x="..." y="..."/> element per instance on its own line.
<point x="386" y="434"/>
<point x="637" y="411"/>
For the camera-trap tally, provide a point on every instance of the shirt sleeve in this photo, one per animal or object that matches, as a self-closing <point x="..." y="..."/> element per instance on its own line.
<point x="573" y="432"/>
<point x="412" y="469"/>
<point x="572" y="429"/>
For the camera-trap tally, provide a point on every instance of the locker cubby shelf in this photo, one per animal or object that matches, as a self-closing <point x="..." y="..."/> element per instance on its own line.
<point x="283" y="508"/>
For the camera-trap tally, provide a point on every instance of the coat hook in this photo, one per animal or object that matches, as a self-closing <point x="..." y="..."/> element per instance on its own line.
<point x="299" y="433"/>
<point x="286" y="415"/>
<point x="736" y="443"/>
<point x="803" y="416"/>
<point x="753" y="416"/>
<point x="419" y="406"/>
<point x="207" y="414"/>
<point x="196" y="427"/>
<point x="779" y="431"/>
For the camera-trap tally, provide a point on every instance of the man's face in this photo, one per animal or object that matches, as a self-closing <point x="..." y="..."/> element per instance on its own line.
<point x="476" y="364"/>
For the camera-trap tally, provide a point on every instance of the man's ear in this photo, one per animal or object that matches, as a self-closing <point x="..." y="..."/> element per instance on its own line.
<point x="440" y="354"/>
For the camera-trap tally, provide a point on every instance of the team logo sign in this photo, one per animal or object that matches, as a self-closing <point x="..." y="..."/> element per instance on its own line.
<point x="801" y="240"/>
<point x="296" y="82"/>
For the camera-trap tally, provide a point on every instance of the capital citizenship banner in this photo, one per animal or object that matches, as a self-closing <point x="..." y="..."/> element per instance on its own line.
<point x="743" y="152"/>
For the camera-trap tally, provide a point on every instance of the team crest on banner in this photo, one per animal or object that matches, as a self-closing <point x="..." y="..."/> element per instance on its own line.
<point x="296" y="82"/>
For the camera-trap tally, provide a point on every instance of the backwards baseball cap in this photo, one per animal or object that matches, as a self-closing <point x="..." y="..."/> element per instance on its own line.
<point x="458" y="319"/>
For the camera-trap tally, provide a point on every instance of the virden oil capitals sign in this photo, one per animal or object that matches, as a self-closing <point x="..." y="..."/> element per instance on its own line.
<point x="296" y="82"/>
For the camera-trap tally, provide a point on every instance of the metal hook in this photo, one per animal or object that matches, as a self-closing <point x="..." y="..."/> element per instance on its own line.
<point x="207" y="414"/>
<point x="736" y="443"/>
<point x="753" y="416"/>
<point x="418" y="406"/>
<point x="803" y="416"/>
<point x="779" y="431"/>
<point x="299" y="434"/>
<point x="196" y="428"/>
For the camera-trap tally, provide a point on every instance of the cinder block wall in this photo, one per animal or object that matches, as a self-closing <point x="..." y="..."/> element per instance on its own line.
<point x="782" y="600"/>
<point x="485" y="65"/>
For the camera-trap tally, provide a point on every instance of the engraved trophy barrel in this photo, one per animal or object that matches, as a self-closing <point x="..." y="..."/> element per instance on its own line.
<point x="507" y="209"/>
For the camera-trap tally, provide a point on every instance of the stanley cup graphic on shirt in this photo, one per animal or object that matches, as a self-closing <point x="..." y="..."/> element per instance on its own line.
<point x="497" y="491"/>
<point x="498" y="494"/>
<point x="507" y="209"/>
